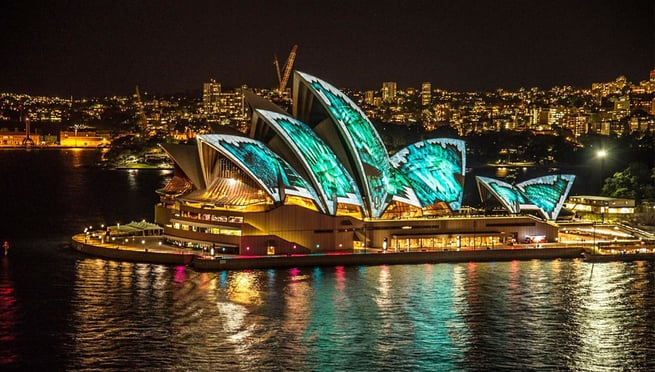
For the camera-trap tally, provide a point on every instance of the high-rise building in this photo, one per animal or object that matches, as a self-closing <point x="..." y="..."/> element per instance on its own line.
<point x="211" y="97"/>
<point x="369" y="97"/>
<point x="650" y="87"/>
<point x="426" y="94"/>
<point x="388" y="91"/>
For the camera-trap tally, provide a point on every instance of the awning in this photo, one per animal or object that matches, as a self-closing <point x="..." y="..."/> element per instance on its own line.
<point x="134" y="228"/>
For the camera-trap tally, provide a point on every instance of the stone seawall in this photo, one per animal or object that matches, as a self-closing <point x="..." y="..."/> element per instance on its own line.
<point x="148" y="250"/>
<point x="404" y="258"/>
<point x="132" y="255"/>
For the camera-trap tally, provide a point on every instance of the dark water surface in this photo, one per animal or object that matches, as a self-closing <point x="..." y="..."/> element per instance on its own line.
<point x="63" y="311"/>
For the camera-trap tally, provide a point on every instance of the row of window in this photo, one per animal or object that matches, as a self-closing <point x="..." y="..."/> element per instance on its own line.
<point x="207" y="230"/>
<point x="211" y="217"/>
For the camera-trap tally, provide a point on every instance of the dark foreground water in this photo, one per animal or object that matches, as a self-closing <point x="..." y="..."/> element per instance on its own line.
<point x="63" y="311"/>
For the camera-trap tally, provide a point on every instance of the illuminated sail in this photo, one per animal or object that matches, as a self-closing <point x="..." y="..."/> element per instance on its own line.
<point x="370" y="160"/>
<point x="329" y="177"/>
<point x="546" y="194"/>
<point x="435" y="170"/>
<point x="268" y="169"/>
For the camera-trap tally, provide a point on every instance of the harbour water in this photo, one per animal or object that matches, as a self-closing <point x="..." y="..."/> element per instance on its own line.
<point x="63" y="311"/>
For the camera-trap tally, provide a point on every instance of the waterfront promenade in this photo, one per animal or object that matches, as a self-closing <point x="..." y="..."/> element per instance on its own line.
<point x="152" y="250"/>
<point x="147" y="249"/>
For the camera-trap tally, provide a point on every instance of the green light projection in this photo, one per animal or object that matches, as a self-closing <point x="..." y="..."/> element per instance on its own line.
<point x="264" y="166"/>
<point x="548" y="192"/>
<point x="435" y="170"/>
<point x="331" y="178"/>
<point x="506" y="194"/>
<point x="373" y="159"/>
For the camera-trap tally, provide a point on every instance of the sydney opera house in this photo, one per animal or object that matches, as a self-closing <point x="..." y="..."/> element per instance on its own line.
<point x="319" y="179"/>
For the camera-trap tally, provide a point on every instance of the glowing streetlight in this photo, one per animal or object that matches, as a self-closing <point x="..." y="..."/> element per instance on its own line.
<point x="601" y="154"/>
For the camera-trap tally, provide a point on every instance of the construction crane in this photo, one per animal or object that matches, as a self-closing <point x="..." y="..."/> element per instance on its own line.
<point x="283" y="78"/>
<point x="142" y="121"/>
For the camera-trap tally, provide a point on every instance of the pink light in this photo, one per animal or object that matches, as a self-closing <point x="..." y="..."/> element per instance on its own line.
<point x="180" y="274"/>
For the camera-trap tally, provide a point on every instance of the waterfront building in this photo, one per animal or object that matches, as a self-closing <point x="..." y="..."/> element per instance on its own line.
<point x="84" y="138"/>
<point x="321" y="179"/>
<point x="15" y="138"/>
<point x="600" y="205"/>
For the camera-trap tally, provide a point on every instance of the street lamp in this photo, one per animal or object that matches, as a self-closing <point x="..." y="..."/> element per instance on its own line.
<point x="601" y="154"/>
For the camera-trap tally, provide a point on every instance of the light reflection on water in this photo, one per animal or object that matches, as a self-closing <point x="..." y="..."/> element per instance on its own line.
<point x="70" y="312"/>
<point x="512" y="315"/>
<point x="9" y="310"/>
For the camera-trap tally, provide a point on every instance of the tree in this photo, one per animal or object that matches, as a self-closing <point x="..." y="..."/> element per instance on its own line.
<point x="635" y="182"/>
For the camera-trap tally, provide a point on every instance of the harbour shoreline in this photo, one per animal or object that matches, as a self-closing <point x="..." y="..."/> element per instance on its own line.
<point x="148" y="250"/>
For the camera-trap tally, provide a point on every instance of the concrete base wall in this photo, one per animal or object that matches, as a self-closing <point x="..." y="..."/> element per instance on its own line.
<point x="132" y="255"/>
<point x="384" y="258"/>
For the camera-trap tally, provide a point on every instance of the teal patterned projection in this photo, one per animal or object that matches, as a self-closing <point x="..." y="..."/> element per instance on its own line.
<point x="263" y="165"/>
<point x="330" y="177"/>
<point x="403" y="190"/>
<point x="372" y="159"/>
<point x="506" y="194"/>
<point x="548" y="192"/>
<point x="435" y="169"/>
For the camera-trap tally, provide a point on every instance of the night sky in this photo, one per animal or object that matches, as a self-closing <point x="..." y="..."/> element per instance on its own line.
<point x="107" y="47"/>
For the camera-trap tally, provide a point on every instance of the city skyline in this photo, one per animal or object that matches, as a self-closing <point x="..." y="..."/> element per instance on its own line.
<point x="99" y="48"/>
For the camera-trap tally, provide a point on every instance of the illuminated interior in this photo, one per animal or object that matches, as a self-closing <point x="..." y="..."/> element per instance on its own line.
<point x="269" y="170"/>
